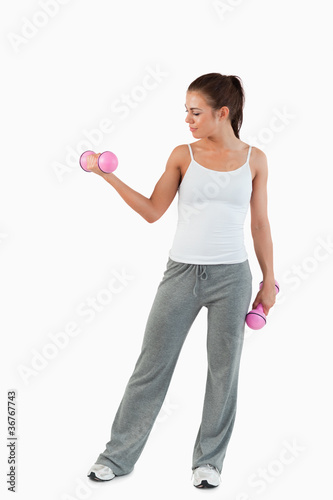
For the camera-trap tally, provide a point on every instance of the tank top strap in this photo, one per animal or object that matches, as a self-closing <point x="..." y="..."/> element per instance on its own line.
<point x="189" y="146"/>
<point x="248" y="154"/>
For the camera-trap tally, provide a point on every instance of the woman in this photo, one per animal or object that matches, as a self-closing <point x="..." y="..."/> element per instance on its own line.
<point x="217" y="177"/>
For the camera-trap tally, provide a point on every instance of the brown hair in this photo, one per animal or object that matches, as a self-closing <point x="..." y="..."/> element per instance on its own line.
<point x="222" y="90"/>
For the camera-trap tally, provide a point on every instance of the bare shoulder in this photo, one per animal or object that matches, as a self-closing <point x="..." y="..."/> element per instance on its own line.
<point x="178" y="156"/>
<point x="259" y="163"/>
<point x="180" y="152"/>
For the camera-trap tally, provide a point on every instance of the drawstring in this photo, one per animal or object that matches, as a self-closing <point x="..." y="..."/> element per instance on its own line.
<point x="200" y="272"/>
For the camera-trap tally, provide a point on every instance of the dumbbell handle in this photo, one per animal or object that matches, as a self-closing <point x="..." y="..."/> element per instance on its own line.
<point x="259" y="308"/>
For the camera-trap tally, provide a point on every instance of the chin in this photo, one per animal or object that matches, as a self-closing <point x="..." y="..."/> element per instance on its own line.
<point x="198" y="135"/>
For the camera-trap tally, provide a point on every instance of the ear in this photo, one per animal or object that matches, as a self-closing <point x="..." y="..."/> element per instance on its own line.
<point x="224" y="113"/>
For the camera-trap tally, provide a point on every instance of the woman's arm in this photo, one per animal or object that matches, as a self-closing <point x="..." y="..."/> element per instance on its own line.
<point x="151" y="209"/>
<point x="261" y="232"/>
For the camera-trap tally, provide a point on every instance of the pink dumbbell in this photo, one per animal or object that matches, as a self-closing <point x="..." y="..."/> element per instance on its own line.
<point x="107" y="161"/>
<point x="256" y="318"/>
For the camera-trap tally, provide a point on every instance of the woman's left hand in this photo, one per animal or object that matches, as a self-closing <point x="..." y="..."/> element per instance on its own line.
<point x="266" y="296"/>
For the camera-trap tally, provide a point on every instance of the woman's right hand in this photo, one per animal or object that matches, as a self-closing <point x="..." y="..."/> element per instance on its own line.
<point x="92" y="163"/>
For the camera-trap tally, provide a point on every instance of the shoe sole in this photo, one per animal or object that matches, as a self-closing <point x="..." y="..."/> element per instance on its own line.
<point x="205" y="484"/>
<point x="93" y="477"/>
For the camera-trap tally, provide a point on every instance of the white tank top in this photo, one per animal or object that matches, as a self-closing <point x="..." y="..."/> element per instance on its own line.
<point x="212" y="207"/>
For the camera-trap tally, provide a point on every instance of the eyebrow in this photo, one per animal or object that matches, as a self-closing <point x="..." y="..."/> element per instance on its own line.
<point x="193" y="108"/>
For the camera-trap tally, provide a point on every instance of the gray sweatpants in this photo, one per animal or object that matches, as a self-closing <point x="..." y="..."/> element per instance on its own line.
<point x="225" y="289"/>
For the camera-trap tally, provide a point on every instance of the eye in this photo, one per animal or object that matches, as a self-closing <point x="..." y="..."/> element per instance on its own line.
<point x="195" y="114"/>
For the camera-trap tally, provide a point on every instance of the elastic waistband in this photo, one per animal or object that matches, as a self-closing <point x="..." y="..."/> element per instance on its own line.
<point x="202" y="271"/>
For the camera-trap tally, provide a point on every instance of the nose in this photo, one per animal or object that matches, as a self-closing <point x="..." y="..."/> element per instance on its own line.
<point x="188" y="120"/>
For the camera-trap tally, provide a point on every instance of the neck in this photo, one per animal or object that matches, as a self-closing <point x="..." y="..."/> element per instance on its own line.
<point x="222" y="139"/>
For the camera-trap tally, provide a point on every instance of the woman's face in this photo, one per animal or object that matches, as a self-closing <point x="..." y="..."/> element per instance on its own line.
<point x="201" y="117"/>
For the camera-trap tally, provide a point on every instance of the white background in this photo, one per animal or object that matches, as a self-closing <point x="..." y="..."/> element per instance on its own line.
<point x="64" y="232"/>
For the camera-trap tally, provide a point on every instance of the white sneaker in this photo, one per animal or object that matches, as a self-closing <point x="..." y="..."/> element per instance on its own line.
<point x="99" y="472"/>
<point x="206" y="476"/>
